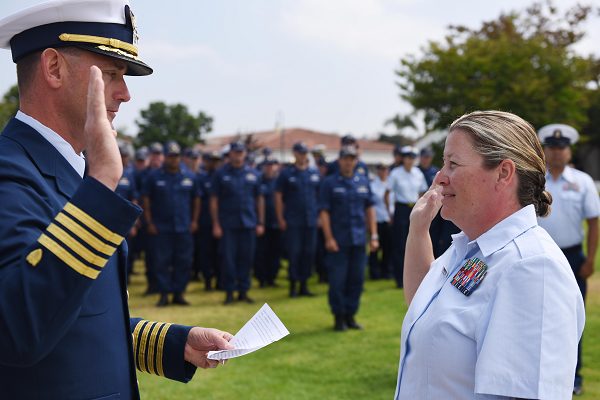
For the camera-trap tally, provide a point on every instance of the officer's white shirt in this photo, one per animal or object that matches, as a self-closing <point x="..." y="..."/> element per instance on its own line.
<point x="574" y="199"/>
<point x="407" y="185"/>
<point x="378" y="188"/>
<point x="516" y="335"/>
<point x="77" y="161"/>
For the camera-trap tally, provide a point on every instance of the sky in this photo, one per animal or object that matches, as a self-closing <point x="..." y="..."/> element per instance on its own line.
<point x="326" y="65"/>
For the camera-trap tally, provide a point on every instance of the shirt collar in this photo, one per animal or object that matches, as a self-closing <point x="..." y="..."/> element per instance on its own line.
<point x="77" y="161"/>
<point x="507" y="230"/>
<point x="567" y="175"/>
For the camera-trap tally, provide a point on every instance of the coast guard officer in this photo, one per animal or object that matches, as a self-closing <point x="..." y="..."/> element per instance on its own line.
<point x="65" y="330"/>
<point x="574" y="200"/>
<point x="207" y="262"/>
<point x="238" y="215"/>
<point x="128" y="190"/>
<point x="171" y="211"/>
<point x="296" y="195"/>
<point x="347" y="212"/>
<point x="268" y="246"/>
<point x="407" y="183"/>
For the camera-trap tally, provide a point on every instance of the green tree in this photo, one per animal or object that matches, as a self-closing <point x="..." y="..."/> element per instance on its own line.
<point x="9" y="105"/>
<point x="520" y="62"/>
<point x="161" y="122"/>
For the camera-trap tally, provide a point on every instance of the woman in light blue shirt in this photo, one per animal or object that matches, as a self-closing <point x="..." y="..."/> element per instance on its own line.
<point x="498" y="315"/>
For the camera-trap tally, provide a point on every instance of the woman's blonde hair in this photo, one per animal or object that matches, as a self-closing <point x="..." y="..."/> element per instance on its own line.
<point x="498" y="136"/>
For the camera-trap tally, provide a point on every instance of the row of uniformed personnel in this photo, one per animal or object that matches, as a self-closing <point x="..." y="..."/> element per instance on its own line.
<point x="234" y="208"/>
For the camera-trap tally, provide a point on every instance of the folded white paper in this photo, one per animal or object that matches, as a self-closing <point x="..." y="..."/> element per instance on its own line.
<point x="261" y="330"/>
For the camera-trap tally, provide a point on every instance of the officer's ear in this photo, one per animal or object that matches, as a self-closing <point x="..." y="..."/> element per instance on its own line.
<point x="53" y="68"/>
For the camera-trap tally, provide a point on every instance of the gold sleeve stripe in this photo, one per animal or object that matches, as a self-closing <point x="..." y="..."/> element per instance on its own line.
<point x="136" y="333"/>
<point x="67" y="258"/>
<point x="87" y="237"/>
<point x="151" y="349"/>
<point x="74" y="245"/>
<point x="94" y="225"/>
<point x="160" y="350"/>
<point x="143" y="345"/>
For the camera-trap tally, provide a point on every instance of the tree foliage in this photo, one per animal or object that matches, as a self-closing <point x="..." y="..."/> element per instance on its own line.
<point x="519" y="62"/>
<point x="161" y="122"/>
<point x="9" y="105"/>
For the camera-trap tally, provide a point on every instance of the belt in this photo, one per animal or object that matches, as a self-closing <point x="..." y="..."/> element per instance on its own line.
<point x="573" y="249"/>
<point x="409" y="205"/>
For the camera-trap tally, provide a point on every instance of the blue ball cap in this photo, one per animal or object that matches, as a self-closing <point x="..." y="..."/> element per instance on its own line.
<point x="300" y="147"/>
<point x="237" y="146"/>
<point x="427" y="152"/>
<point x="141" y="154"/>
<point x="347" y="139"/>
<point x="348" y="151"/>
<point x="191" y="153"/>
<point x="156" y="148"/>
<point x="172" y="149"/>
<point x="558" y="135"/>
<point x="409" y="151"/>
<point x="106" y="27"/>
<point x="397" y="150"/>
<point x="267" y="151"/>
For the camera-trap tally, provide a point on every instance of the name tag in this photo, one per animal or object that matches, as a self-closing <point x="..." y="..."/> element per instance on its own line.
<point x="187" y="182"/>
<point x="161" y="183"/>
<point x="470" y="276"/>
<point x="362" y="189"/>
<point x="124" y="182"/>
<point x="339" y="190"/>
<point x="226" y="178"/>
<point x="251" y="178"/>
<point x="314" y="178"/>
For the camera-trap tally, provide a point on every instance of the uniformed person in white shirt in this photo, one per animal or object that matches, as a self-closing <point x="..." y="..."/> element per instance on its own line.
<point x="406" y="183"/>
<point x="498" y="315"/>
<point x="574" y="200"/>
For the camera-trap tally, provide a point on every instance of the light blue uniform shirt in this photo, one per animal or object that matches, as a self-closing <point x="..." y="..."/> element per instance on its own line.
<point x="378" y="188"/>
<point x="407" y="185"/>
<point x="516" y="335"/>
<point x="574" y="198"/>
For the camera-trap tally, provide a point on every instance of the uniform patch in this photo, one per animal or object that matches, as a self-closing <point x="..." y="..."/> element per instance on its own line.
<point x="470" y="275"/>
<point x="187" y="182"/>
<point x="362" y="189"/>
<point x="34" y="257"/>
<point x="314" y="178"/>
<point x="251" y="178"/>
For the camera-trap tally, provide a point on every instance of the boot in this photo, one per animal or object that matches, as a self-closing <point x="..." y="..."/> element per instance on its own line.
<point x="228" y="298"/>
<point x="340" y="323"/>
<point x="293" y="292"/>
<point x="179" y="299"/>
<point x="243" y="296"/>
<point x="304" y="290"/>
<point x="351" y="323"/>
<point x="163" y="301"/>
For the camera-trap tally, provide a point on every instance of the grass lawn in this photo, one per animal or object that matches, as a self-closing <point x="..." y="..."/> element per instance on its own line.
<point x="313" y="362"/>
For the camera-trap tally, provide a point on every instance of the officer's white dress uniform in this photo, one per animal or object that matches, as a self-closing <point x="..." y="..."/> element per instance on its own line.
<point x="574" y="199"/>
<point x="516" y="335"/>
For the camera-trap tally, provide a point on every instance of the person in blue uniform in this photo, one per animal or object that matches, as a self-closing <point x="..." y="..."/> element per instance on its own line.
<point x="140" y="163"/>
<point x="128" y="190"/>
<point x="171" y="211"/>
<point x="65" y="329"/>
<point x="360" y="168"/>
<point x="320" y="252"/>
<point x="156" y="159"/>
<point x="268" y="246"/>
<point x="347" y="214"/>
<point x="296" y="197"/>
<point x="498" y="315"/>
<point x="574" y="201"/>
<point x="238" y="216"/>
<point x="208" y="263"/>
<point x="406" y="183"/>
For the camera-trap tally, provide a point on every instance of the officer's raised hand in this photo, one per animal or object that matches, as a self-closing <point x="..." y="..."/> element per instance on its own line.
<point x="428" y="205"/>
<point x="202" y="340"/>
<point x="102" y="152"/>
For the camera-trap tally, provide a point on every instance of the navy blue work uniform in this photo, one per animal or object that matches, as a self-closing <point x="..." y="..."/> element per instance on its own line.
<point x="207" y="261"/>
<point x="127" y="189"/>
<point x="346" y="200"/>
<point x="268" y="246"/>
<point x="299" y="189"/>
<point x="65" y="330"/>
<point x="236" y="190"/>
<point x="360" y="169"/>
<point x="171" y="197"/>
